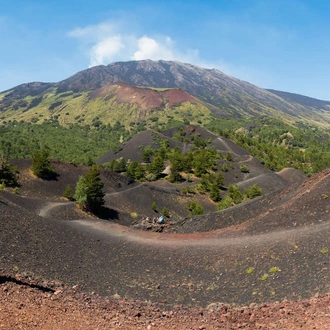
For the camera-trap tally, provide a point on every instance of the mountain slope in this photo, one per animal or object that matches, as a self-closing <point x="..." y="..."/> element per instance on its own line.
<point x="302" y="100"/>
<point x="221" y="94"/>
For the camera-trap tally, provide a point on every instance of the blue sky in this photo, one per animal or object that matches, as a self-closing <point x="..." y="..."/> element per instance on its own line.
<point x="281" y="44"/>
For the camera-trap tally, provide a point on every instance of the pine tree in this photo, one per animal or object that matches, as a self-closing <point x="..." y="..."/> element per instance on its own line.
<point x="68" y="193"/>
<point x="8" y="173"/>
<point x="214" y="192"/>
<point x="89" y="194"/>
<point x="41" y="166"/>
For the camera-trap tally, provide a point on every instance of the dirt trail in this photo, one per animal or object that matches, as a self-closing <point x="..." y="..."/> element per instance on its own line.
<point x="120" y="192"/>
<point x="251" y="179"/>
<point x="50" y="206"/>
<point x="215" y="238"/>
<point x="227" y="146"/>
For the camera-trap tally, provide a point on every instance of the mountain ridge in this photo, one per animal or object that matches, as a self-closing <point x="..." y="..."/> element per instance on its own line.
<point x="221" y="94"/>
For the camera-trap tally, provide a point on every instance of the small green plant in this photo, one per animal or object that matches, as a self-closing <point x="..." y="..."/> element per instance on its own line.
<point x="154" y="206"/>
<point x="224" y="167"/>
<point x="15" y="190"/>
<point x="250" y="270"/>
<point x="189" y="177"/>
<point x="229" y="157"/>
<point x="212" y="287"/>
<point x="325" y="196"/>
<point x="264" y="277"/>
<point x="2" y="186"/>
<point x="274" y="270"/>
<point x="187" y="190"/>
<point x="244" y="169"/>
<point x="324" y="251"/>
<point x="165" y="212"/>
<point x="68" y="193"/>
<point x="134" y="215"/>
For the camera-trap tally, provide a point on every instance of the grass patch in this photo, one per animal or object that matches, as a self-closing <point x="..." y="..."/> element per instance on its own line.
<point x="250" y="270"/>
<point x="134" y="215"/>
<point x="324" y="251"/>
<point x="274" y="270"/>
<point x="264" y="277"/>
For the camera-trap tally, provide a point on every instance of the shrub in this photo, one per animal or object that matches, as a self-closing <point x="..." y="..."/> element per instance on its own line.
<point x="165" y="212"/>
<point x="187" y="190"/>
<point x="253" y="192"/>
<point x="229" y="157"/>
<point x="244" y="169"/>
<point x="225" y="203"/>
<point x="215" y="192"/>
<point x="201" y="188"/>
<point x="151" y="177"/>
<point x="234" y="193"/>
<point x="154" y="206"/>
<point x="224" y="167"/>
<point x="194" y="208"/>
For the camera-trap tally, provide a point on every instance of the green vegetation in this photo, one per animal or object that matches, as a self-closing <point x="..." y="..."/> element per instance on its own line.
<point x="253" y="192"/>
<point x="134" y="215"/>
<point x="278" y="144"/>
<point x="165" y="212"/>
<point x="41" y="166"/>
<point x="68" y="193"/>
<point x="244" y="169"/>
<point x="89" y="194"/>
<point x="274" y="270"/>
<point x="154" y="206"/>
<point x="187" y="190"/>
<point x="234" y="196"/>
<point x="250" y="270"/>
<point x="74" y="143"/>
<point x="8" y="173"/>
<point x="264" y="277"/>
<point x="194" y="208"/>
<point x="225" y="203"/>
<point x="324" y="251"/>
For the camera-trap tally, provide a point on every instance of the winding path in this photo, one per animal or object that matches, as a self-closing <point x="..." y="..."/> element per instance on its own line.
<point x="50" y="206"/>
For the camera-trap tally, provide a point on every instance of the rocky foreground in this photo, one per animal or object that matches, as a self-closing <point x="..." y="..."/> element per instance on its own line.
<point x="25" y="305"/>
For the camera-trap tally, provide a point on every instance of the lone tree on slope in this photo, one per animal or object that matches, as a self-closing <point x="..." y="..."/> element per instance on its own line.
<point x="89" y="194"/>
<point x="41" y="166"/>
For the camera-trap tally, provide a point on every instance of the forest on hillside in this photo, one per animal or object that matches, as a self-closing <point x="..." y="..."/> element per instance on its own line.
<point x="276" y="144"/>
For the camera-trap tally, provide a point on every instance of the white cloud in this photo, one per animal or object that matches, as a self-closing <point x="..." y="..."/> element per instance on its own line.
<point x="92" y="33"/>
<point x="105" y="50"/>
<point x="104" y="43"/>
<point x="149" y="48"/>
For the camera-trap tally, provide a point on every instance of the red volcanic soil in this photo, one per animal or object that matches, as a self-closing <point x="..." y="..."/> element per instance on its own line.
<point x="145" y="98"/>
<point x="25" y="305"/>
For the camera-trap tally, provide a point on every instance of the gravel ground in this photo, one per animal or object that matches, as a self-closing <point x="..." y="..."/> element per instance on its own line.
<point x="25" y="306"/>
